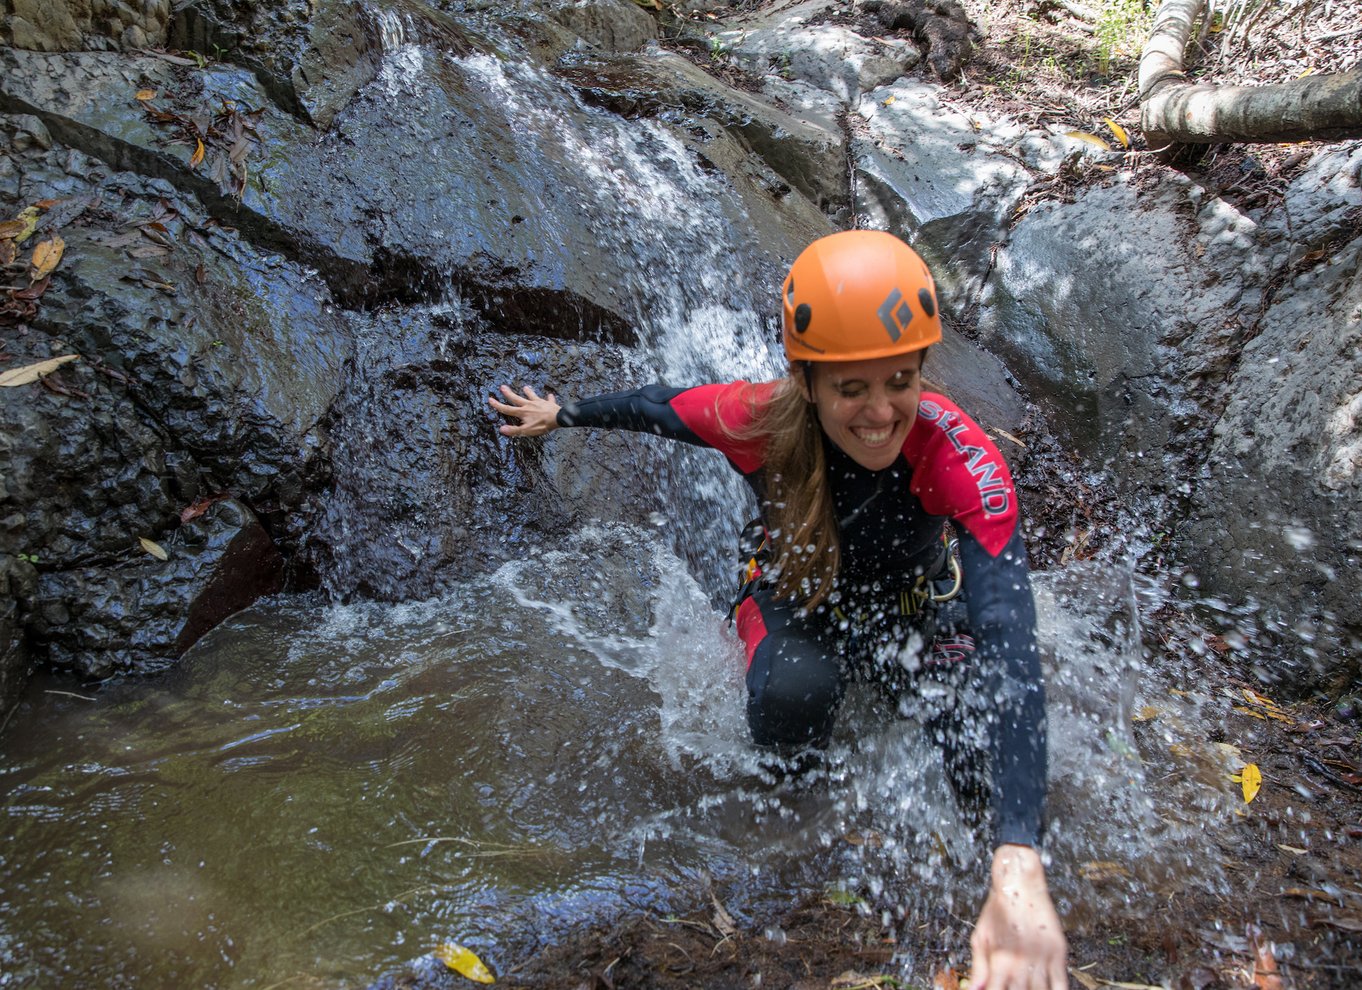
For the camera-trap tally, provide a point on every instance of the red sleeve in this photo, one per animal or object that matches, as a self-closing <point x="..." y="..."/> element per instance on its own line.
<point x="714" y="412"/>
<point x="959" y="473"/>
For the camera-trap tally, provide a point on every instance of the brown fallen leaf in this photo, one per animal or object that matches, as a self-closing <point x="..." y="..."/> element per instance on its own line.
<point x="197" y="156"/>
<point x="46" y="256"/>
<point x="30" y="373"/>
<point x="199" y="506"/>
<point x="1265" y="974"/>
<point x="153" y="548"/>
<point x="145" y="94"/>
<point x="1347" y="924"/>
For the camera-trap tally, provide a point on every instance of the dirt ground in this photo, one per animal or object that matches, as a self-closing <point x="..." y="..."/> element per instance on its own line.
<point x="1295" y="920"/>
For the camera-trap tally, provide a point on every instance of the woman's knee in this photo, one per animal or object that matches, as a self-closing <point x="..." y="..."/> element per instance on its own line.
<point x="792" y="697"/>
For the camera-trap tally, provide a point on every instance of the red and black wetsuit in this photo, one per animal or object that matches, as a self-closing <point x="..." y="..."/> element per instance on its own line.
<point x="890" y="528"/>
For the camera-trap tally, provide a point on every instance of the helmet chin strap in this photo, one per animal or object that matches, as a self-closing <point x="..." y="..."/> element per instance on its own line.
<point x="808" y="380"/>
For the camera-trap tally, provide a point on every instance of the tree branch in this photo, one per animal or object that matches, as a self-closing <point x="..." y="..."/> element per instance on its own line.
<point x="1176" y="111"/>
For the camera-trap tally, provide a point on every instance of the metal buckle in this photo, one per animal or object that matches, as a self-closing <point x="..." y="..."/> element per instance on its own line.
<point x="957" y="579"/>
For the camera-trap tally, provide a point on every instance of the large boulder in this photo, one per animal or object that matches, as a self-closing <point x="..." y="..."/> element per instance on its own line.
<point x="73" y="25"/>
<point x="1205" y="358"/>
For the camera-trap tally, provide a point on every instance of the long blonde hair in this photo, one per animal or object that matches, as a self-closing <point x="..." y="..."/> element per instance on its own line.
<point x="798" y="508"/>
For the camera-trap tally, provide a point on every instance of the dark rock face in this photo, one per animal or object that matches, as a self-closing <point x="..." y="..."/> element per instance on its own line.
<point x="299" y="324"/>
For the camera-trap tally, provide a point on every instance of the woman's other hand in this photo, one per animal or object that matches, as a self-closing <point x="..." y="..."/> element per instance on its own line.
<point x="1018" y="942"/>
<point x="535" y="416"/>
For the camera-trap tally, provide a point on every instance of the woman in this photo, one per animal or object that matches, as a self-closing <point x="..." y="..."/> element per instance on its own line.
<point x="858" y="471"/>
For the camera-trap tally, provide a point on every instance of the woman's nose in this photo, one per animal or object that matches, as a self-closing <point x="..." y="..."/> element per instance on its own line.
<point x="878" y="409"/>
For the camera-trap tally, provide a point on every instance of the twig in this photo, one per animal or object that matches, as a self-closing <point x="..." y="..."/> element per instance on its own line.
<point x="1335" y="35"/>
<point x="69" y="694"/>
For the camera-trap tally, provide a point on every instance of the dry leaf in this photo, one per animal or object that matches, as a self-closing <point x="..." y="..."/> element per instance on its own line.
<point x="888" y="100"/>
<point x="1265" y="975"/>
<point x="1250" y="780"/>
<point x="1119" y="131"/>
<point x="1098" y="870"/>
<point x="21" y="227"/>
<point x="146" y="94"/>
<point x="1146" y="714"/>
<point x="155" y="549"/>
<point x="1087" y="981"/>
<point x="1092" y="139"/>
<point x="199" y="506"/>
<point x="30" y="373"/>
<point x="197" y="157"/>
<point x="723" y="921"/>
<point x="46" y="256"/>
<point x="464" y="962"/>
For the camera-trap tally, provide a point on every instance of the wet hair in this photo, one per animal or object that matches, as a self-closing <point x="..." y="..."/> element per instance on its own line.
<point x="797" y="507"/>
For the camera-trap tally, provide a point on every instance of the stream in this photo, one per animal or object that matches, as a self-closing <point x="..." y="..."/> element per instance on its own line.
<point x="322" y="793"/>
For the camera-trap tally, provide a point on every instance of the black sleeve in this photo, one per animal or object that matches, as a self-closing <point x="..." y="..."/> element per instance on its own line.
<point x="1003" y="620"/>
<point x="643" y="410"/>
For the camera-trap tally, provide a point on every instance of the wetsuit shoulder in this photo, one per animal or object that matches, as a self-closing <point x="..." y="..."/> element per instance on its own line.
<point x="958" y="472"/>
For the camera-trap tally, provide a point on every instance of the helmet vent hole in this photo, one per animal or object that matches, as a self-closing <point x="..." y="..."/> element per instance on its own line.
<point x="803" y="316"/>
<point x="925" y="297"/>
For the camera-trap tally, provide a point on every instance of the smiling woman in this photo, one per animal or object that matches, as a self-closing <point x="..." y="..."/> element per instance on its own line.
<point x="857" y="471"/>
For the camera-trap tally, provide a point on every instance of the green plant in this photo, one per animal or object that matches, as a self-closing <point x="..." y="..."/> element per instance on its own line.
<point x="28" y="558"/>
<point x="1121" y="26"/>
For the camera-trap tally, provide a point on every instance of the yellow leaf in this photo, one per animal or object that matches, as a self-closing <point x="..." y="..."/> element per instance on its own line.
<point x="1250" y="780"/>
<point x="197" y="157"/>
<point x="1307" y="72"/>
<point x="464" y="962"/>
<point x="146" y="94"/>
<point x="32" y="372"/>
<point x="1119" y="131"/>
<point x="19" y="229"/>
<point x="1092" y="139"/>
<point x="1098" y="870"/>
<point x="1146" y="714"/>
<point x="1260" y="699"/>
<point x="46" y="257"/>
<point x="155" y="549"/>
<point x="888" y="100"/>
<point x="1249" y="711"/>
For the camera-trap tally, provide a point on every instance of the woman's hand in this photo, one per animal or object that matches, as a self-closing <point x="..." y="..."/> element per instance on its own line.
<point x="1018" y="942"/>
<point x="536" y="416"/>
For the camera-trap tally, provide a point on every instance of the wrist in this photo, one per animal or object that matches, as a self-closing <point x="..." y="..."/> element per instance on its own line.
<point x="1015" y="865"/>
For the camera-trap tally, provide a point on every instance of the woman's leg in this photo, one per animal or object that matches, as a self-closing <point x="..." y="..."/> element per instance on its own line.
<point x="795" y="681"/>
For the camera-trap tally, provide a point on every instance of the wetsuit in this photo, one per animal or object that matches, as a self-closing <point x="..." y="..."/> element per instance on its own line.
<point x="890" y="529"/>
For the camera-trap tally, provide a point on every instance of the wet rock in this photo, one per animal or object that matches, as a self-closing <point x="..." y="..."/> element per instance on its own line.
<point x="14" y="656"/>
<point x="72" y="25"/>
<point x="830" y="58"/>
<point x="611" y="25"/>
<point x="1277" y="511"/>
<point x="927" y="172"/>
<point x="142" y="613"/>
<point x="1116" y="339"/>
<point x="807" y="155"/>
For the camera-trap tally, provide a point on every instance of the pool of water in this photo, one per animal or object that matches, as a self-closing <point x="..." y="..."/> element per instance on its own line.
<point x="322" y="793"/>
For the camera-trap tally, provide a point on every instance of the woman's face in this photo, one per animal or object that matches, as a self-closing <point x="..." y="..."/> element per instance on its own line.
<point x="867" y="407"/>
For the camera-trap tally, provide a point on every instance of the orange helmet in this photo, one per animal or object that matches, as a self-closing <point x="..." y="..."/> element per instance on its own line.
<point x="856" y="295"/>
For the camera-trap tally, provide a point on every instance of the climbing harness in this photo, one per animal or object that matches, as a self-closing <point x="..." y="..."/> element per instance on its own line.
<point x="941" y="584"/>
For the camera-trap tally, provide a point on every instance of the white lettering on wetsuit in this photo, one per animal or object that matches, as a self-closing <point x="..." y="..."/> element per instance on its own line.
<point x="993" y="493"/>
